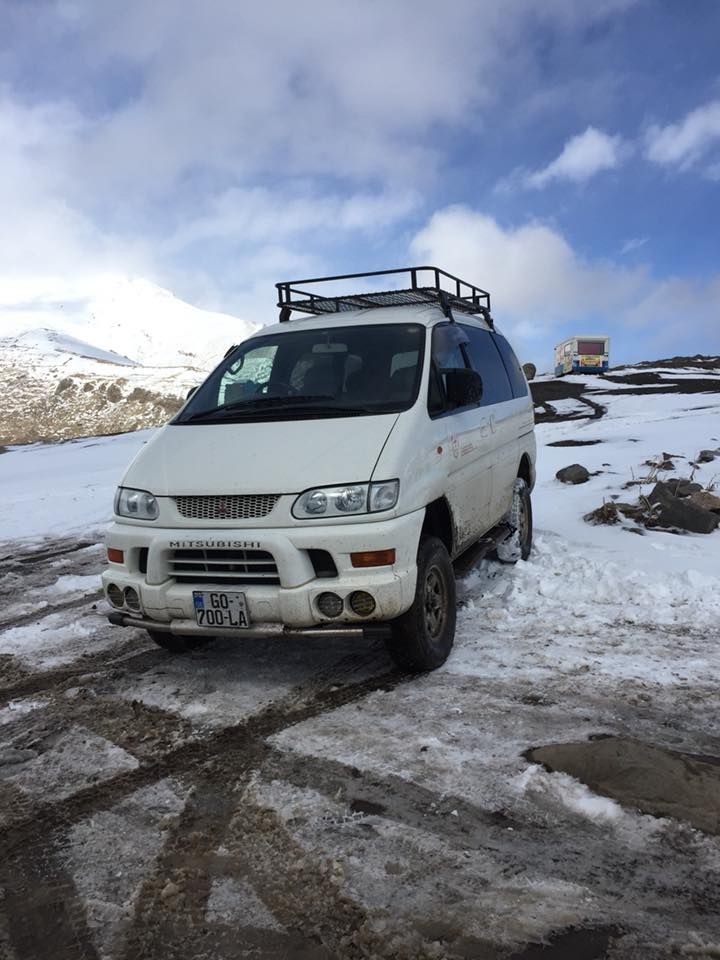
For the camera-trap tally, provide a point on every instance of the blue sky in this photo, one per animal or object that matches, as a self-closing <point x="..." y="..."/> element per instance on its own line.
<point x="564" y="155"/>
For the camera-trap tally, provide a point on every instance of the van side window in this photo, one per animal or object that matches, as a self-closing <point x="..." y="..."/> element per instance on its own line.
<point x="485" y="358"/>
<point x="512" y="365"/>
<point x="448" y="342"/>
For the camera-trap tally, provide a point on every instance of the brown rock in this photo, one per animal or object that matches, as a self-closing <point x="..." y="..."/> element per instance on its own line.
<point x="141" y="395"/>
<point x="671" y="511"/>
<point x="682" y="488"/>
<point x="169" y="891"/>
<point x="575" y="473"/>
<point x="706" y="500"/>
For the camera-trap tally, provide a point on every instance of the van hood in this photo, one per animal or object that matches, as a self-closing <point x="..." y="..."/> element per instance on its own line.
<point x="270" y="457"/>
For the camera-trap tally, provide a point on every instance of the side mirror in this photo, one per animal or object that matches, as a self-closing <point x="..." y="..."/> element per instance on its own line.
<point x="529" y="369"/>
<point x="463" y="387"/>
<point x="190" y="392"/>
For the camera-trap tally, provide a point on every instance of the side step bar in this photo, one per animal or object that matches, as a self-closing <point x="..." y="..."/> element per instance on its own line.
<point x="480" y="549"/>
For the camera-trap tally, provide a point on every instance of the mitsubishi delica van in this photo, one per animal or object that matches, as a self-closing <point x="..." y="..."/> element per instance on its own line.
<point x="331" y="472"/>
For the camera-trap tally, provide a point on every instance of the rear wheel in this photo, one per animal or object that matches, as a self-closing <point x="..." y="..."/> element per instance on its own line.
<point x="519" y="544"/>
<point x="175" y="644"/>
<point x="422" y="638"/>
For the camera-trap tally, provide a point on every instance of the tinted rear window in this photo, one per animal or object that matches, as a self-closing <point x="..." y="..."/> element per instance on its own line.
<point x="512" y="365"/>
<point x="485" y="358"/>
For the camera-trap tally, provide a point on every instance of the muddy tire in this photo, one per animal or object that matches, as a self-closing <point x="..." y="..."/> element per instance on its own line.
<point x="519" y="544"/>
<point x="175" y="644"/>
<point x="422" y="638"/>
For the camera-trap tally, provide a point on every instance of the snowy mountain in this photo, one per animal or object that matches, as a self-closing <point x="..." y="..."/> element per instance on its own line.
<point x="128" y="316"/>
<point x="109" y="356"/>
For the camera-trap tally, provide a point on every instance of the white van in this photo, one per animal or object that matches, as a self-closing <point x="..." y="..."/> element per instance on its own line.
<point x="328" y="472"/>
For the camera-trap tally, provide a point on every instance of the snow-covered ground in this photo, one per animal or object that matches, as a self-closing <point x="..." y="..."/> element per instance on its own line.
<point x="63" y="488"/>
<point x="307" y="796"/>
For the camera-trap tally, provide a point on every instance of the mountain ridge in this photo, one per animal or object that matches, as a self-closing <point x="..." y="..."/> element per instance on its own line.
<point x="120" y="358"/>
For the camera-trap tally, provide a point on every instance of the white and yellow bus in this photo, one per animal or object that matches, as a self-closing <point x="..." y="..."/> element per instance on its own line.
<point x="582" y="355"/>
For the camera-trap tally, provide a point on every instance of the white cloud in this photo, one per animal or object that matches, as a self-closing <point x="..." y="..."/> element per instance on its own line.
<point x="42" y="231"/>
<point x="533" y="273"/>
<point x="634" y="243"/>
<point x="540" y="286"/>
<point x="582" y="157"/>
<point x="259" y="215"/>
<point x="167" y="127"/>
<point x="360" y="89"/>
<point x="685" y="143"/>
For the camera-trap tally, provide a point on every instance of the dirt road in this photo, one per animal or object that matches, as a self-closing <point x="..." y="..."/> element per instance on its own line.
<point x="264" y="800"/>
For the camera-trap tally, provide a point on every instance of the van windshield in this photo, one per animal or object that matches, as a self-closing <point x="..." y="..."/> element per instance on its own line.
<point x="302" y="374"/>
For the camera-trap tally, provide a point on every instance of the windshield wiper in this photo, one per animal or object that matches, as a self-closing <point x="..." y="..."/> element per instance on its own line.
<point x="255" y="404"/>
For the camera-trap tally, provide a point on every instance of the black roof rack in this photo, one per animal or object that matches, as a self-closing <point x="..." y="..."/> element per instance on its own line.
<point x="443" y="288"/>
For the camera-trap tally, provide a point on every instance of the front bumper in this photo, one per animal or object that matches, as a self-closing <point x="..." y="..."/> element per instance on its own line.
<point x="167" y="604"/>
<point x="186" y="628"/>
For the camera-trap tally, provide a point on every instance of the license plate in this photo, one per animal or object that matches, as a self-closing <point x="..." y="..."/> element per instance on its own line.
<point x="213" y="609"/>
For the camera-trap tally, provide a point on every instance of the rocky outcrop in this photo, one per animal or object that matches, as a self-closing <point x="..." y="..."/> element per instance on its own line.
<point x="680" y="512"/>
<point x="40" y="407"/>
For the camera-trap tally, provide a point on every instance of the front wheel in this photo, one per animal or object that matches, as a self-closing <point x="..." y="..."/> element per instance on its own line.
<point x="519" y="544"/>
<point x="422" y="638"/>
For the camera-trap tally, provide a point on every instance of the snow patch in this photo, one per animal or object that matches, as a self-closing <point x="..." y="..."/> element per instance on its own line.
<point x="18" y="708"/>
<point x="559" y="788"/>
<point x="77" y="758"/>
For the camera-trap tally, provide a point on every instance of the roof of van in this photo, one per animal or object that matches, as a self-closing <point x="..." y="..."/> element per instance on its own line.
<point x="585" y="336"/>
<point x="426" y="314"/>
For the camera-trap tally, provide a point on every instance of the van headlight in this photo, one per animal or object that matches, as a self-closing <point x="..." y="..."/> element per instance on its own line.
<point x="136" y="504"/>
<point x="352" y="498"/>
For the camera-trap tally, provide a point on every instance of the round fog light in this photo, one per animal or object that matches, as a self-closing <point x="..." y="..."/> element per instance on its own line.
<point x="115" y="595"/>
<point x="362" y="603"/>
<point x="330" y="604"/>
<point x="132" y="600"/>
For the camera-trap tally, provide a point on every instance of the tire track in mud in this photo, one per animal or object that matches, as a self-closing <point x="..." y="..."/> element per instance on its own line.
<point x="43" y="910"/>
<point x="386" y="795"/>
<point x="304" y="891"/>
<point x="126" y="660"/>
<point x="301" y="891"/>
<point x="40" y="556"/>
<point x="243" y="740"/>
<point x="171" y="902"/>
<point x="136" y="727"/>
<point x="35" y="616"/>
<point x="223" y="757"/>
<point x="518" y="845"/>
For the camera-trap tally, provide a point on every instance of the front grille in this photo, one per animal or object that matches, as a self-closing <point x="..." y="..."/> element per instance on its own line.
<point x="231" y="507"/>
<point x="224" y="566"/>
